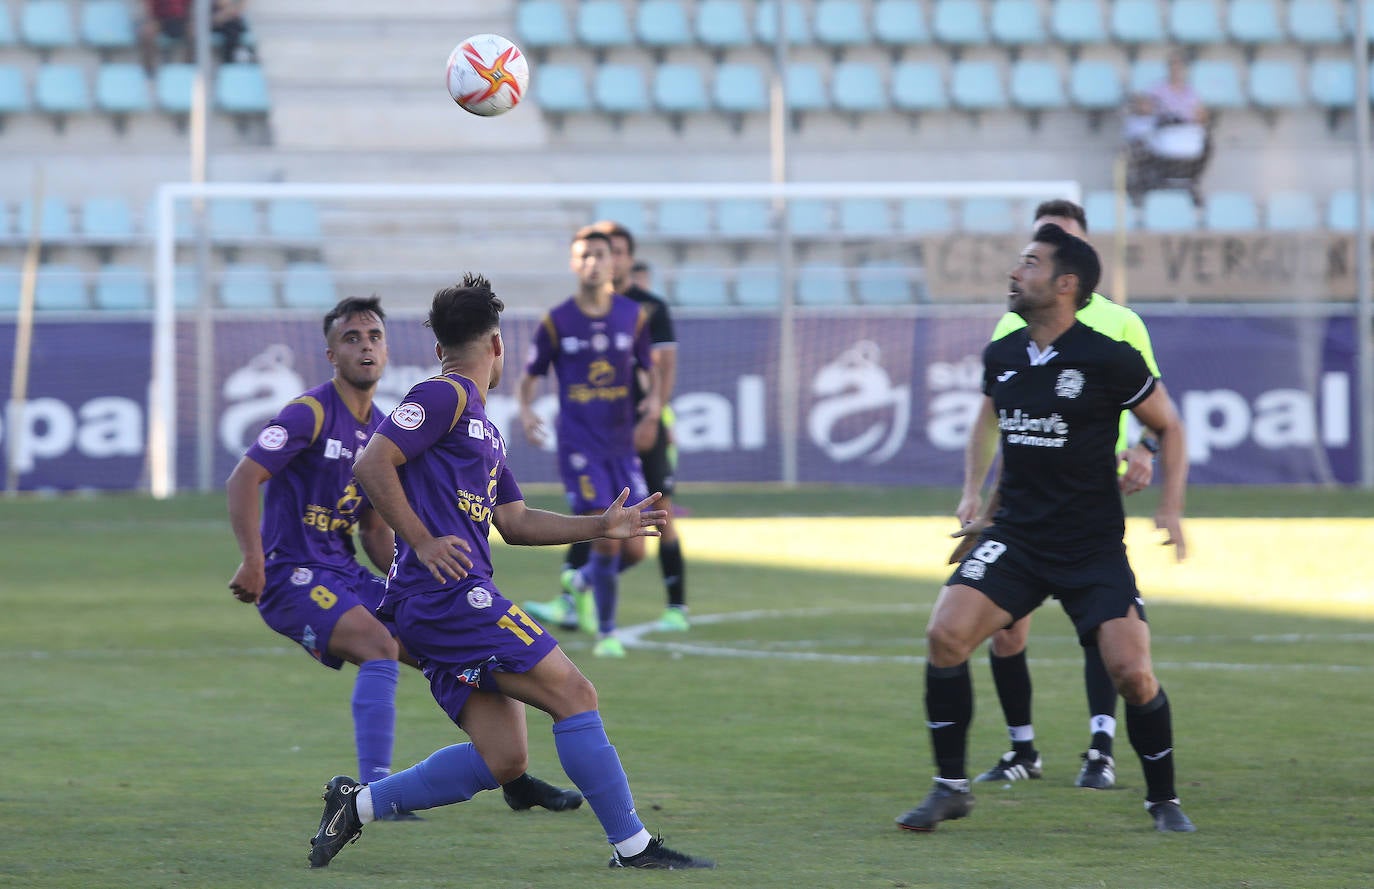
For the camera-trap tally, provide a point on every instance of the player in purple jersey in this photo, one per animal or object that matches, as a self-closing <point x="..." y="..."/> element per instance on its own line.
<point x="436" y="471"/>
<point x="299" y="564"/>
<point x="594" y="340"/>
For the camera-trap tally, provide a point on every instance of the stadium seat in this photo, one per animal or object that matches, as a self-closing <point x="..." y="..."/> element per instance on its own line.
<point x="679" y="89"/>
<point x="700" y="286"/>
<point x="293" y="220"/>
<point x="926" y="216"/>
<point x="1195" y="22"/>
<point x="898" y="24"/>
<point x="1016" y="23"/>
<point x="562" y="89"/>
<point x="1274" y="84"/>
<point x="865" y="217"/>
<point x="60" y="288"/>
<point x="47" y="24"/>
<point x="107" y="218"/>
<point x="107" y="25"/>
<point x="122" y="287"/>
<point x="758" y="286"/>
<point x="808" y="217"/>
<point x="1217" y="83"/>
<point x="1368" y="19"/>
<point x="56" y="224"/>
<point x="7" y="35"/>
<point x="185" y="287"/>
<point x="683" y="218"/>
<point x="841" y="24"/>
<point x="1100" y="208"/>
<point x="542" y="25"/>
<point x="1169" y="210"/>
<point x="883" y="283"/>
<point x="241" y="88"/>
<point x="858" y="87"/>
<point x="918" y="86"/>
<point x="184" y="219"/>
<point x="308" y="285"/>
<point x="1095" y="84"/>
<point x="1137" y="21"/>
<point x="662" y="24"/>
<point x="987" y="215"/>
<point x="61" y="90"/>
<point x="246" y="286"/>
<point x="798" y="28"/>
<point x="1341" y="211"/>
<point x="740" y="88"/>
<point x="620" y="89"/>
<point x="14" y="92"/>
<point x="805" y="88"/>
<point x="122" y="88"/>
<point x="11" y="280"/>
<point x="174" y="83"/>
<point x="1036" y="85"/>
<point x="977" y="86"/>
<point x="723" y="25"/>
<point x="1331" y="82"/>
<point x="744" y="218"/>
<point x="603" y="24"/>
<point x="1145" y="73"/>
<point x="628" y="212"/>
<point x="1316" y="22"/>
<point x="1230" y="211"/>
<point x="1291" y="211"/>
<point x="1078" y="22"/>
<point x="822" y="284"/>
<point x="959" y="23"/>
<point x="233" y="219"/>
<point x="1254" y="22"/>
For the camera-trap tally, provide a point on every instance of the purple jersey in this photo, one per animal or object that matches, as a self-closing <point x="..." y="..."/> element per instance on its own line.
<point x="595" y="360"/>
<point x="312" y="501"/>
<point x="454" y="475"/>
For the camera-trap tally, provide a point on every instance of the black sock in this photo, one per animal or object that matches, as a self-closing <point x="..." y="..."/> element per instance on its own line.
<point x="1101" y="695"/>
<point x="949" y="710"/>
<point x="578" y="555"/>
<point x="1011" y="675"/>
<point x="1150" y="728"/>
<point x="674" y="573"/>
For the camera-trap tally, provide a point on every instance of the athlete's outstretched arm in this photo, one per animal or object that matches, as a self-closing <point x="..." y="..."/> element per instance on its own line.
<point x="521" y="526"/>
<point x="1158" y="414"/>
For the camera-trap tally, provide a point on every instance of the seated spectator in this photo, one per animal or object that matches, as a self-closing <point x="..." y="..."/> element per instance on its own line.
<point x="1166" y="134"/>
<point x="171" y="20"/>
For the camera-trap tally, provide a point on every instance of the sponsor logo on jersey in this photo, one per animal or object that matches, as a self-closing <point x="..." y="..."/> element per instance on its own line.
<point x="273" y="438"/>
<point x="409" y="415"/>
<point x="479" y="597"/>
<point x="1041" y="432"/>
<point x="472" y="676"/>
<point x="302" y="576"/>
<point x="1069" y="384"/>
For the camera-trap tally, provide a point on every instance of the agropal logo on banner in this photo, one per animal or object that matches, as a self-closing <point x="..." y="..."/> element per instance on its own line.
<point x="859" y="413"/>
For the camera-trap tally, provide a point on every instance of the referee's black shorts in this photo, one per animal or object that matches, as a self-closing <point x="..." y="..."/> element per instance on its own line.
<point x="658" y="466"/>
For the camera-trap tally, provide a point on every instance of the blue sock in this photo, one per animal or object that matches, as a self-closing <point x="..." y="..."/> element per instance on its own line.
<point x="374" y="717"/>
<point x="450" y="775"/>
<point x="591" y="762"/>
<point x="601" y="572"/>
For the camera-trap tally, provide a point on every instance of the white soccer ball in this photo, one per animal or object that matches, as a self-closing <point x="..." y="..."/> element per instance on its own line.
<point x="487" y="75"/>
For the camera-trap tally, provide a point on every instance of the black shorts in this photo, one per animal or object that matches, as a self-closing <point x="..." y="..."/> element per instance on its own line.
<point x="1092" y="589"/>
<point x="658" y="464"/>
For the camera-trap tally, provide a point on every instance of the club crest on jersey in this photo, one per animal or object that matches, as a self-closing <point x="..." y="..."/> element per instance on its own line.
<point x="273" y="438"/>
<point x="600" y="342"/>
<point x="974" y="569"/>
<point x="479" y="597"/>
<point x="1069" y="384"/>
<point x="577" y="461"/>
<point x="302" y="576"/>
<point x="409" y="415"/>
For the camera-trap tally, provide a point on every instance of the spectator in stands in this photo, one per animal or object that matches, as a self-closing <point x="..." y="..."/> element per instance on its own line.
<point x="171" y="19"/>
<point x="1166" y="134"/>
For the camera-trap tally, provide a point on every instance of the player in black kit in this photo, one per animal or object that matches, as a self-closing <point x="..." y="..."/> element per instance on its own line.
<point x="1057" y="388"/>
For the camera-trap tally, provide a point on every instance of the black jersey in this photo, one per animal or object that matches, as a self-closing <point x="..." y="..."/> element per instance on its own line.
<point x="1058" y="412"/>
<point x="661" y="331"/>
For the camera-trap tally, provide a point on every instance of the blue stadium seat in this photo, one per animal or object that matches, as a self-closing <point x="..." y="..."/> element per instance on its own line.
<point x="47" y="24"/>
<point x="987" y="215"/>
<point x="1230" y="211"/>
<point x="56" y="224"/>
<point x="1274" y="84"/>
<point x="1169" y="210"/>
<point x="679" y="89"/>
<point x="247" y="286"/>
<point x="107" y="25"/>
<point x="233" y="219"/>
<point x="626" y="211"/>
<point x="1017" y="22"/>
<point x="1217" y="83"/>
<point x="1078" y="22"/>
<point x="841" y="24"/>
<point x="723" y="25"/>
<point x="898" y="24"/>
<point x="11" y="280"/>
<point x="858" y="87"/>
<point x="184" y="219"/>
<point x="1036" y="85"/>
<point x="542" y="25"/>
<point x="122" y="287"/>
<point x="798" y="28"/>
<point x="1291" y="211"/>
<point x="808" y="217"/>
<point x="924" y="216"/>
<point x="60" y="288"/>
<point x="1331" y="83"/>
<point x="107" y="218"/>
<point x="1254" y="22"/>
<point x="241" y="88"/>
<point x="1137" y="21"/>
<point x="758" y="286"/>
<point x="744" y="218"/>
<point x="619" y="89"/>
<point x="174" y="83"/>
<point x="7" y="35"/>
<point x="562" y="89"/>
<point x="865" y="217"/>
<point x="1316" y="21"/>
<point x="1368" y="19"/>
<point x="603" y="24"/>
<point x="308" y="285"/>
<point x="293" y="220"/>
<point x="959" y="23"/>
<point x="918" y="86"/>
<point x="883" y="283"/>
<point x="14" y="92"/>
<point x="1095" y="84"/>
<point x="1100" y="208"/>
<point x="1341" y="211"/>
<point x="822" y="284"/>
<point x="61" y="90"/>
<point x="122" y="88"/>
<point x="662" y="24"/>
<point x="977" y="86"/>
<point x="699" y="285"/>
<point x="1145" y="73"/>
<point x="185" y="287"/>
<point x="805" y="88"/>
<point x="740" y="88"/>
<point x="684" y="218"/>
<point x="1195" y="22"/>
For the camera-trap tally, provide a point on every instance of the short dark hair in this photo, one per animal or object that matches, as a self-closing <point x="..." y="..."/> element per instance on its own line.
<point x="591" y="233"/>
<point x="1064" y="210"/>
<point x="353" y="305"/>
<point x="464" y="311"/>
<point x="640" y="267"/>
<point x="615" y="230"/>
<point x="1072" y="256"/>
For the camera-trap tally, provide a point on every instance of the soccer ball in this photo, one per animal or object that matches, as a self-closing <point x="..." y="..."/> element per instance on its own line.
<point x="487" y="75"/>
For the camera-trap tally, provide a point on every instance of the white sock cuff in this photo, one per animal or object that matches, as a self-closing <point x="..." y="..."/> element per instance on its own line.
<point x="363" y="800"/>
<point x="628" y="848"/>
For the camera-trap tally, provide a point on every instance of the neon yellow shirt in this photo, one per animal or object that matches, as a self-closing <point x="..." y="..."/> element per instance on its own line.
<point x="1109" y="319"/>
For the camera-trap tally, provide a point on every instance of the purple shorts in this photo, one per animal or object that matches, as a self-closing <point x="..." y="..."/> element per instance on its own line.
<point x="593" y="483"/>
<point x="303" y="603"/>
<point x="460" y="637"/>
